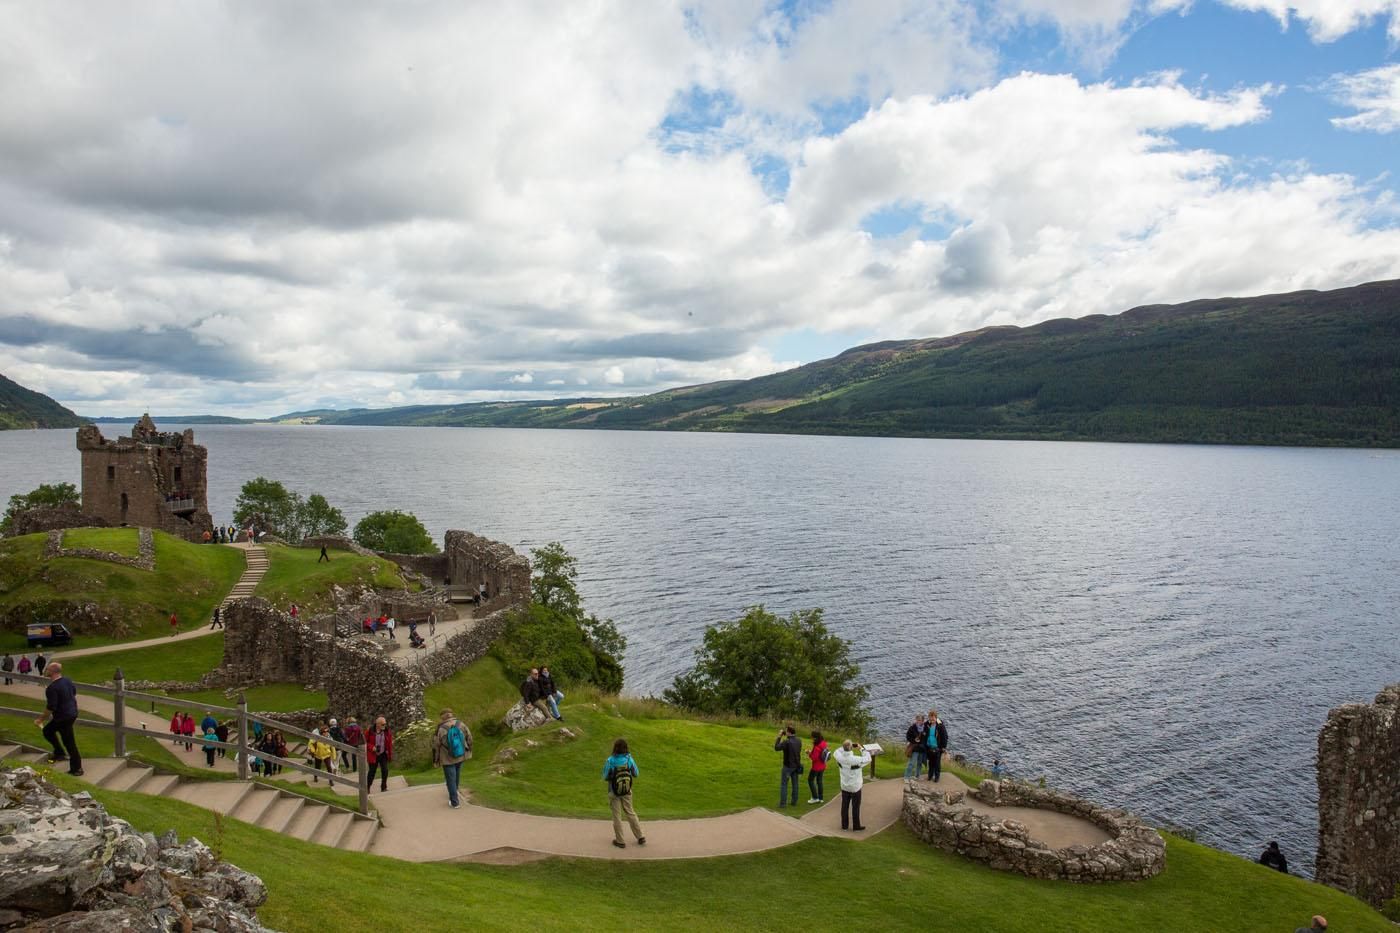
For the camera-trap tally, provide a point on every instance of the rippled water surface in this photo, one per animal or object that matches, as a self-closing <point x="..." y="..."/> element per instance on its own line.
<point x="1159" y="626"/>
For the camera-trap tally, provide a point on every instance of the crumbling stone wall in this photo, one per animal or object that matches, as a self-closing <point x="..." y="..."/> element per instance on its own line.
<point x="265" y="645"/>
<point x="130" y="480"/>
<point x="52" y="518"/>
<point x="1358" y="798"/>
<point x="1133" y="852"/>
<point x="432" y="567"/>
<point x="145" y="558"/>
<point x="465" y="647"/>
<point x="472" y="560"/>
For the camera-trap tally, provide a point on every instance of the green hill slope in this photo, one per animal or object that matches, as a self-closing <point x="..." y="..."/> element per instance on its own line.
<point x="106" y="602"/>
<point x="25" y="408"/>
<point x="1306" y="368"/>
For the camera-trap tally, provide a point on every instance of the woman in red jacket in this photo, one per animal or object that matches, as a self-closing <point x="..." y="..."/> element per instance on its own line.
<point x="818" y="754"/>
<point x="175" y="722"/>
<point x="187" y="729"/>
<point x="379" y="751"/>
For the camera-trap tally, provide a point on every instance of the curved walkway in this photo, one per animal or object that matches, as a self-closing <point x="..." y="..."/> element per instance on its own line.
<point x="419" y="826"/>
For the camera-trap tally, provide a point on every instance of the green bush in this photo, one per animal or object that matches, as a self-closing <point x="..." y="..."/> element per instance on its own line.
<point x="764" y="665"/>
<point x="394" y="533"/>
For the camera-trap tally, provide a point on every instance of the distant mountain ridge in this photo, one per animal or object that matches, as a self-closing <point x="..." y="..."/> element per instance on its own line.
<point x="1303" y="368"/>
<point x="22" y="408"/>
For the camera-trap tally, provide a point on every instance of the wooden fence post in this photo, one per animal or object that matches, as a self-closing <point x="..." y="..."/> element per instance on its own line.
<point x="243" y="747"/>
<point x="362" y="772"/>
<point x="119" y="715"/>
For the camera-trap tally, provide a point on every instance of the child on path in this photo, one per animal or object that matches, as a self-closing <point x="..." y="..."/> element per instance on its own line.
<point x="620" y="770"/>
<point x="321" y="754"/>
<point x="209" y="748"/>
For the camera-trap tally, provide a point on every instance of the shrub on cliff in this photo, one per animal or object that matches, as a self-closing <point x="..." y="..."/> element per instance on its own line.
<point x="46" y="495"/>
<point x="269" y="506"/>
<point x="554" y="629"/>
<point x="765" y="665"/>
<point x="394" y="533"/>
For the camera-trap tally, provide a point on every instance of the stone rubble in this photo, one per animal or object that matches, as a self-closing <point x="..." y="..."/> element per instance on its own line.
<point x="66" y="864"/>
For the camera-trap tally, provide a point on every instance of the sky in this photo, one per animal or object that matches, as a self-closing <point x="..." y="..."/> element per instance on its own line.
<point x="262" y="206"/>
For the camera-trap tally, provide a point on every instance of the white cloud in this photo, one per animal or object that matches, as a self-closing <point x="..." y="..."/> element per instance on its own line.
<point x="453" y="202"/>
<point x="1374" y="94"/>
<point x="1327" y="20"/>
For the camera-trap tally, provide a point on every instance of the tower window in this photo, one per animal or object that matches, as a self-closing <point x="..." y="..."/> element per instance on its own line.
<point x="111" y="472"/>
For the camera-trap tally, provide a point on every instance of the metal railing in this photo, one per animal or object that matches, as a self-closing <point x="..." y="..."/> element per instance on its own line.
<point x="243" y="749"/>
<point x="179" y="505"/>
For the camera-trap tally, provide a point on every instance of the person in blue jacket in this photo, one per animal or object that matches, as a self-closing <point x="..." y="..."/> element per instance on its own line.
<point x="620" y="770"/>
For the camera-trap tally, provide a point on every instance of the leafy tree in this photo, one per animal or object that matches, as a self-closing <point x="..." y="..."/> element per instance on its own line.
<point x="395" y="532"/>
<point x="268" y="506"/>
<point x="554" y="629"/>
<point x="47" y="495"/>
<point x="318" y="517"/>
<point x="765" y="665"/>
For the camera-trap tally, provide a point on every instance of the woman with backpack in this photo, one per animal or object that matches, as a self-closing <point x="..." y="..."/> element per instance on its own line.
<point x="452" y="747"/>
<point x="818" y="754"/>
<point x="620" y="770"/>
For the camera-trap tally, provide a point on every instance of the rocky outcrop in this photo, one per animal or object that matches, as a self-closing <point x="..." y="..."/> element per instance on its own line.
<point x="524" y="716"/>
<point x="66" y="864"/>
<point x="1133" y="852"/>
<point x="1358" y="798"/>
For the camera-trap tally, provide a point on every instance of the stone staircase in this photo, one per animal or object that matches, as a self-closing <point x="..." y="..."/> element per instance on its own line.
<point x="256" y="558"/>
<point x="270" y="808"/>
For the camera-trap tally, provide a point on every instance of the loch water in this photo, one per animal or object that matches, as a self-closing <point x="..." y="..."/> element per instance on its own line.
<point x="1162" y="627"/>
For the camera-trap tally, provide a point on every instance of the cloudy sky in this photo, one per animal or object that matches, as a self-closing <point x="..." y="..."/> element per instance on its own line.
<point x="254" y="207"/>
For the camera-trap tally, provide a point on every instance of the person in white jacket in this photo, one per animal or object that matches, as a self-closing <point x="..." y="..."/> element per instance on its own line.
<point x="851" y="765"/>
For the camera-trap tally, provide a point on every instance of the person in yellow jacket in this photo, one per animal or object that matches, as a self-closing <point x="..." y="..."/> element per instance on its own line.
<point x="321" y="753"/>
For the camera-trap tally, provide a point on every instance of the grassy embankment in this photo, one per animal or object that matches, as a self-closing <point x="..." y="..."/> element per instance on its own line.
<point x="188" y="579"/>
<point x="889" y="882"/>
<point x="294" y="576"/>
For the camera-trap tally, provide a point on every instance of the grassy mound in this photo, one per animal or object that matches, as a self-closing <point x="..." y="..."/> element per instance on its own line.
<point x="188" y="579"/>
<point x="891" y="881"/>
<point x="125" y="541"/>
<point x="690" y="767"/>
<point x="295" y="576"/>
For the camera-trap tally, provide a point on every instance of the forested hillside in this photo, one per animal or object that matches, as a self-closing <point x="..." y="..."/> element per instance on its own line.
<point x="25" y="408"/>
<point x="1306" y="368"/>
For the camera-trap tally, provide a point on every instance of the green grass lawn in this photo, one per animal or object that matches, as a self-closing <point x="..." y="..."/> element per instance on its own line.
<point x="175" y="660"/>
<point x="117" y="540"/>
<point x="265" y="698"/>
<point x="188" y="579"/>
<point x="889" y="882"/>
<point x="689" y="767"/>
<point x="295" y="576"/>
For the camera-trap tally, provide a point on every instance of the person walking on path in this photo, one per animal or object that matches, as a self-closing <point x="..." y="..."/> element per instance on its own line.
<point x="620" y="770"/>
<point x="915" y="747"/>
<point x="432" y="623"/>
<point x="1273" y="857"/>
<point x="221" y="733"/>
<point x="218" y="620"/>
<point x="187" y="730"/>
<point x="851" y="766"/>
<point x="818" y="756"/>
<point x="791" y="746"/>
<point x="174" y="624"/>
<point x="210" y="737"/>
<point x="40" y="662"/>
<point x="452" y="746"/>
<point x="937" y="745"/>
<point x="321" y="754"/>
<point x="8" y="666"/>
<point x="176" y="721"/>
<point x="355" y="736"/>
<point x="552" y="694"/>
<point x="24" y="667"/>
<point x="379" y="751"/>
<point x="208" y="723"/>
<point x="61" y="711"/>
<point x="324" y="556"/>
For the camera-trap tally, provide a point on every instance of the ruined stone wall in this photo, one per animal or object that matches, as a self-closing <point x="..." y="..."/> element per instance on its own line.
<point x="464" y="648"/>
<point x="472" y="559"/>
<point x="1358" y="798"/>
<point x="1134" y="852"/>
<point x="264" y="645"/>
<point x="126" y="481"/>
<point x="53" y="518"/>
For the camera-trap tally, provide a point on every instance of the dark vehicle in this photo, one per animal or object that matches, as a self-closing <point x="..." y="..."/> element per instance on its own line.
<point x="44" y="634"/>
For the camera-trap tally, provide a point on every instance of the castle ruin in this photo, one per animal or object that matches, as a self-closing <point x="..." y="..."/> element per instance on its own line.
<point x="154" y="479"/>
<point x="1358" y="798"/>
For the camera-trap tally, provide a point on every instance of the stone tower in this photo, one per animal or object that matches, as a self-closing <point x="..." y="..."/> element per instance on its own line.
<point x="1358" y="798"/>
<point x="153" y="479"/>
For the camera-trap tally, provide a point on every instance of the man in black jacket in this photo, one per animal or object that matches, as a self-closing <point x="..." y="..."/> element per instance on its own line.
<point x="530" y="691"/>
<point x="791" y="746"/>
<point x="61" y="700"/>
